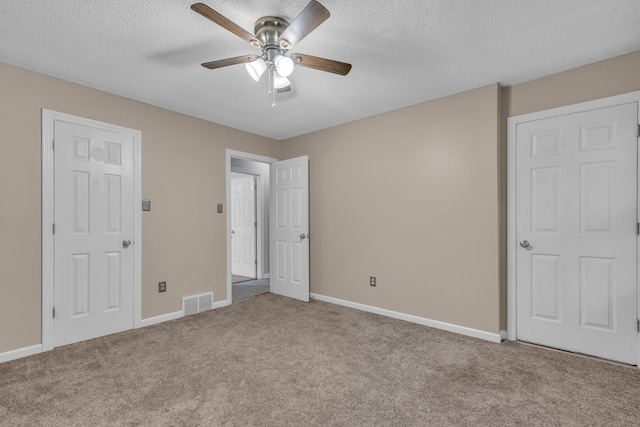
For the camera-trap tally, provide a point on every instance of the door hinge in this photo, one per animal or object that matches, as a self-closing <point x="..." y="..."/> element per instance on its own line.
<point x="54" y="312"/>
<point x="638" y="228"/>
<point x="638" y="325"/>
<point x="53" y="145"/>
<point x="255" y="224"/>
<point x="53" y="228"/>
<point x="256" y="262"/>
<point x="639" y="131"/>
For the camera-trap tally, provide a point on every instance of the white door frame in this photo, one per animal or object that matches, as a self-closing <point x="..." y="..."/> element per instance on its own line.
<point x="48" y="119"/>
<point x="245" y="156"/>
<point x="511" y="194"/>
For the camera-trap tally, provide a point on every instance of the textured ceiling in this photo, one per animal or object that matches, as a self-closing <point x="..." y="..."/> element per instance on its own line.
<point x="403" y="52"/>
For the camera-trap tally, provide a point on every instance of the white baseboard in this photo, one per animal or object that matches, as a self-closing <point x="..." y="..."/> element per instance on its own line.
<point x="177" y="314"/>
<point x="159" y="319"/>
<point x="35" y="349"/>
<point x="220" y="304"/>
<point x="504" y="335"/>
<point x="463" y="330"/>
<point x="20" y="352"/>
<point x="266" y="276"/>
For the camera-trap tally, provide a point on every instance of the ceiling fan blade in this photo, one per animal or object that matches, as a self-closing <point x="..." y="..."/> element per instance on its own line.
<point x="229" y="61"/>
<point x="308" y="20"/>
<point x="225" y="23"/>
<point x="322" y="64"/>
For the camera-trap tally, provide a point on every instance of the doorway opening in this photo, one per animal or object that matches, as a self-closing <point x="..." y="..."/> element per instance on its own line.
<point x="248" y="270"/>
<point x="283" y="242"/>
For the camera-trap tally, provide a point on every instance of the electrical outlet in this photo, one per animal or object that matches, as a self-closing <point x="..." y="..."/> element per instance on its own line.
<point x="162" y="286"/>
<point x="372" y="281"/>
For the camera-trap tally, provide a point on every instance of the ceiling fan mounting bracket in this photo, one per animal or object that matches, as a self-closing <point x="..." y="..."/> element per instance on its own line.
<point x="269" y="28"/>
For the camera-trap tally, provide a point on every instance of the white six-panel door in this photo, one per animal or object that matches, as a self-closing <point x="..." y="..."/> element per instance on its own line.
<point x="243" y="226"/>
<point x="94" y="229"/>
<point x="576" y="230"/>
<point x="289" y="228"/>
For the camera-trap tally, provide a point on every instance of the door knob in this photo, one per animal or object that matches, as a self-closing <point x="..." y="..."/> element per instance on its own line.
<point x="304" y="236"/>
<point x="126" y="243"/>
<point x="525" y="244"/>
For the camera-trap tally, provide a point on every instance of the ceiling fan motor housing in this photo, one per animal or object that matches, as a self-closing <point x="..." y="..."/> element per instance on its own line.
<point x="268" y="30"/>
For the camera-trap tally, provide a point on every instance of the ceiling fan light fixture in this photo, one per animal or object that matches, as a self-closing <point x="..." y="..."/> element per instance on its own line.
<point x="284" y="65"/>
<point x="256" y="68"/>
<point x="280" y="82"/>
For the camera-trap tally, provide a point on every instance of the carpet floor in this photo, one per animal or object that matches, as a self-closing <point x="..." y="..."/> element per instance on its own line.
<point x="273" y="361"/>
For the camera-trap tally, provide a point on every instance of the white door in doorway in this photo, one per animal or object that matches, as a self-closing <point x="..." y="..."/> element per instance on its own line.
<point x="94" y="228"/>
<point x="289" y="229"/>
<point x="243" y="226"/>
<point x="576" y="229"/>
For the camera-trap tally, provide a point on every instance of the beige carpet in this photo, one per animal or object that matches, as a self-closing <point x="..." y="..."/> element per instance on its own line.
<point x="272" y="361"/>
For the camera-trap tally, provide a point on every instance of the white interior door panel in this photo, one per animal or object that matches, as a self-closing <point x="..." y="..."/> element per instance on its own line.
<point x="243" y="226"/>
<point x="290" y="228"/>
<point x="94" y="229"/>
<point x="576" y="207"/>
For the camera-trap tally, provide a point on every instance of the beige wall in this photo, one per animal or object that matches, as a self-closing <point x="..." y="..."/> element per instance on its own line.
<point x="415" y="197"/>
<point x="400" y="195"/>
<point x="183" y="173"/>
<point x="600" y="80"/>
<point x="410" y="197"/>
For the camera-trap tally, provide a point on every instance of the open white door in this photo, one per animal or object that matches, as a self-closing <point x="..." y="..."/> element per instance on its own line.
<point x="289" y="226"/>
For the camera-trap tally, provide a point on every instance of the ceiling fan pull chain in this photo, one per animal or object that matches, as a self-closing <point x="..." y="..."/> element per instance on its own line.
<point x="273" y="91"/>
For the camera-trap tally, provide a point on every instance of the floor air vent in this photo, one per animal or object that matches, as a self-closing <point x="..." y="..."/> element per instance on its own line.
<point x="197" y="304"/>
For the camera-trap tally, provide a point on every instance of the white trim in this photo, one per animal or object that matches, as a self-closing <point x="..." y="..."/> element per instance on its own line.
<point x="47" y="235"/>
<point x="610" y="101"/>
<point x="511" y="228"/>
<point x="638" y="239"/>
<point x="160" y="319"/>
<point x="266" y="276"/>
<point x="237" y="155"/>
<point x="48" y="119"/>
<point x="462" y="330"/>
<point x="179" y="314"/>
<point x="220" y="304"/>
<point x="20" y="353"/>
<point x="512" y="123"/>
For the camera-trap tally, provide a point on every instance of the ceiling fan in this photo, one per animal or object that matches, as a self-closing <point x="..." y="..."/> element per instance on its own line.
<point x="275" y="37"/>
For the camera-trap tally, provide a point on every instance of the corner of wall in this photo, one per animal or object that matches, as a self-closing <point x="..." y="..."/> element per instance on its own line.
<point x="503" y="112"/>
